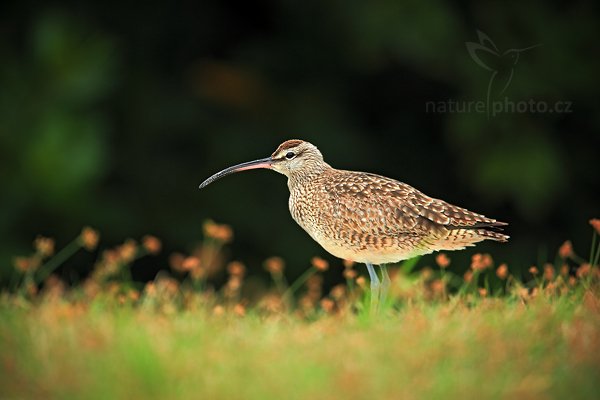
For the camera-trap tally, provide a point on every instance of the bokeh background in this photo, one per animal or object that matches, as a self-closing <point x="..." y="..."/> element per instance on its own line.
<point x="112" y="113"/>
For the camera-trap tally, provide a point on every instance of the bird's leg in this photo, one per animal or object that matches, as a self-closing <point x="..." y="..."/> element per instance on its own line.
<point x="375" y="287"/>
<point x="385" y="283"/>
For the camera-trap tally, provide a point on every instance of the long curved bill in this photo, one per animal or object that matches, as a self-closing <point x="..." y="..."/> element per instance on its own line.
<point x="262" y="163"/>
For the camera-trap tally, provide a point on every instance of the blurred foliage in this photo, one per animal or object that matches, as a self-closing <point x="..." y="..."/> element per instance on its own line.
<point x="111" y="114"/>
<point x="438" y="335"/>
<point x="147" y="349"/>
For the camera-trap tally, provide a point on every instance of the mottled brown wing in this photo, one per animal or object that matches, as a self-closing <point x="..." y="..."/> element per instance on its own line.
<point x="443" y="213"/>
<point x="374" y="204"/>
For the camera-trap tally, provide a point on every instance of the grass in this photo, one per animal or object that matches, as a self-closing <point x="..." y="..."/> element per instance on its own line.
<point x="548" y="348"/>
<point x="484" y="335"/>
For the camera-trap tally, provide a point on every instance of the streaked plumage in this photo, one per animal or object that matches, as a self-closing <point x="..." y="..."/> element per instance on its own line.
<point x="365" y="217"/>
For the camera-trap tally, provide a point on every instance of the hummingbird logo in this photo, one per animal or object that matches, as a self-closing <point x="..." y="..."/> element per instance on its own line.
<point x="501" y="65"/>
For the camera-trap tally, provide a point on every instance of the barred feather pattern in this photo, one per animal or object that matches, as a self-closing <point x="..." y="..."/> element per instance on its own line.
<point x="369" y="218"/>
<point x="365" y="217"/>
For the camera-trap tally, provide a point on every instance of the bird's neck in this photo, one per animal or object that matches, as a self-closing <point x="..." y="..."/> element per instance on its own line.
<point x="307" y="175"/>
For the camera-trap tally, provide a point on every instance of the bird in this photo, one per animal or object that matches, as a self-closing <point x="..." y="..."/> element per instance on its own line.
<point x="368" y="218"/>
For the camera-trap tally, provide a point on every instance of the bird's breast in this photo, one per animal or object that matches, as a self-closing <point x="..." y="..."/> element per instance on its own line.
<point x="318" y="213"/>
<point x="344" y="229"/>
<point x="302" y="210"/>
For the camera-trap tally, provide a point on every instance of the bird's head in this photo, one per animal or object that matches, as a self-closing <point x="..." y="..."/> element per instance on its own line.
<point x="295" y="156"/>
<point x="292" y="158"/>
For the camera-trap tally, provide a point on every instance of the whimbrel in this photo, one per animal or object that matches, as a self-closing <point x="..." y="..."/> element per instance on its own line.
<point x="368" y="218"/>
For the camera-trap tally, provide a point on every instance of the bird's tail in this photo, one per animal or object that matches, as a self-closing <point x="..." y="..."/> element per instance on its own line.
<point x="458" y="239"/>
<point x="492" y="235"/>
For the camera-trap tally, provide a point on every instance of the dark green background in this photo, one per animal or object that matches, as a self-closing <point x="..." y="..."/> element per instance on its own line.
<point x="112" y="113"/>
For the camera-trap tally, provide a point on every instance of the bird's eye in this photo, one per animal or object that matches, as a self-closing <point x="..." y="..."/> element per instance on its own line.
<point x="290" y="155"/>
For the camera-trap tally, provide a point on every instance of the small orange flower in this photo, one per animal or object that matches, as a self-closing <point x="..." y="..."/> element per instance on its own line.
<point x="327" y="305"/>
<point x="222" y="233"/>
<point x="31" y="289"/>
<point x="502" y="271"/>
<point x="349" y="273"/>
<point x="426" y="273"/>
<point x="89" y="238"/>
<point x="483" y="292"/>
<point x="306" y="303"/>
<point x="549" y="272"/>
<point x="24" y="264"/>
<point x="584" y="270"/>
<point x="348" y="263"/>
<point x="198" y="272"/>
<point x="319" y="263"/>
<point x="314" y="283"/>
<point x="21" y="263"/>
<point x="176" y="261"/>
<point x="476" y="261"/>
<point x="127" y="251"/>
<point x="52" y="282"/>
<point x="338" y="291"/>
<point x="236" y="268"/>
<point x="152" y="244"/>
<point x="150" y="289"/>
<point x="274" y="265"/>
<point x="239" y="310"/>
<point x="564" y="270"/>
<point x="168" y="285"/>
<point x="272" y="303"/>
<point x="233" y="285"/>
<point x="91" y="288"/>
<point x="54" y="287"/>
<point x="438" y="287"/>
<point x="487" y="260"/>
<point x="566" y="250"/>
<point x="533" y="270"/>
<point x="189" y="263"/>
<point x="44" y="246"/>
<point x="134" y="295"/>
<point x="595" y="223"/>
<point x="442" y="260"/>
<point x="110" y="257"/>
<point x="468" y="276"/>
<point x="480" y="262"/>
<point x="218" y="310"/>
<point x="551" y="288"/>
<point x="361" y="282"/>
